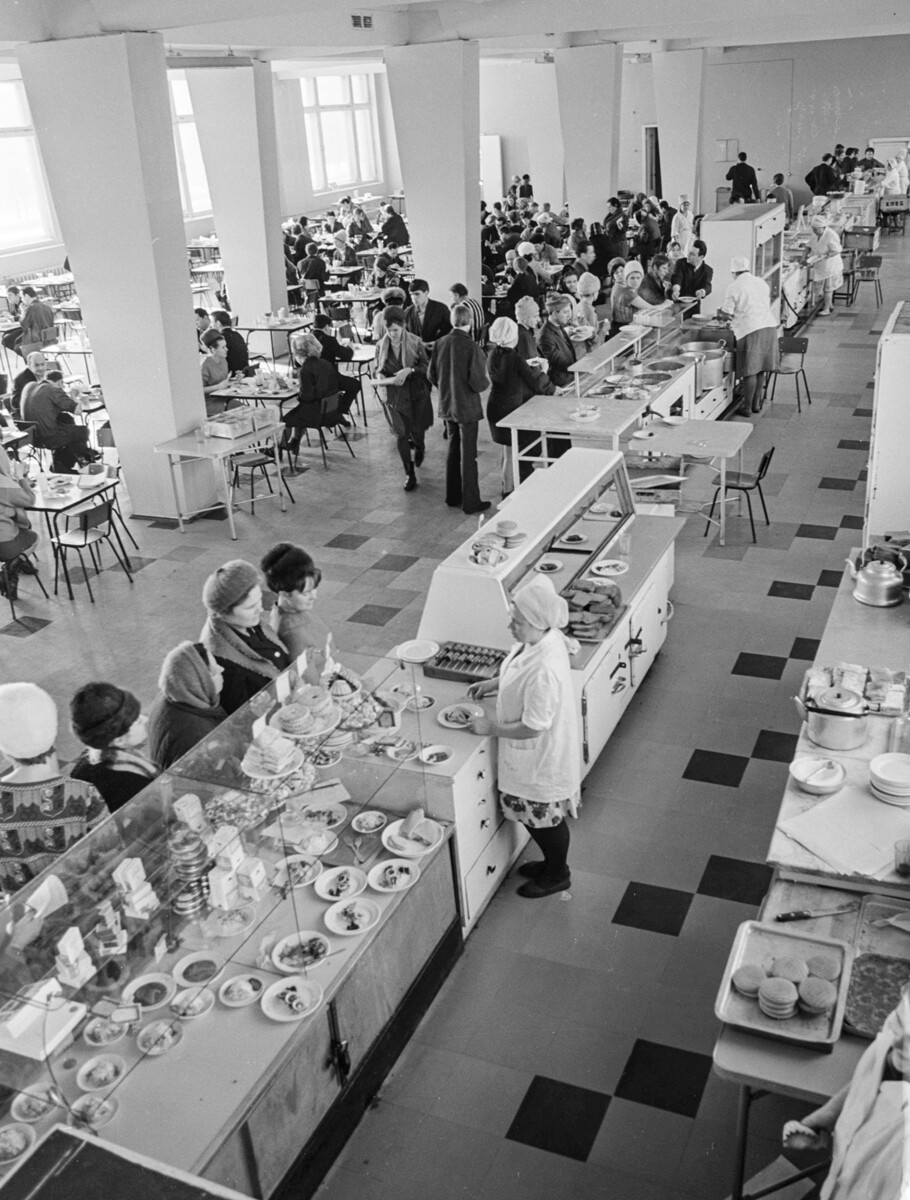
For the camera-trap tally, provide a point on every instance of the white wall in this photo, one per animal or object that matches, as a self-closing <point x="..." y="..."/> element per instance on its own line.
<point x="638" y="109"/>
<point x="518" y="101"/>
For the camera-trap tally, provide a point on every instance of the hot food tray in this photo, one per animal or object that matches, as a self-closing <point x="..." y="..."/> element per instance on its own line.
<point x="464" y="662"/>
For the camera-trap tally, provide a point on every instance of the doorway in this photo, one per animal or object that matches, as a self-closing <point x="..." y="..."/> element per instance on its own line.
<point x="652" y="161"/>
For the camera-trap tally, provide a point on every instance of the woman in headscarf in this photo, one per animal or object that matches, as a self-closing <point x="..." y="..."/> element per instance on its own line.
<point x="527" y="318"/>
<point x="109" y="722"/>
<point x="402" y="360"/>
<point x="827" y="264"/>
<point x="189" y="705"/>
<point x="625" y="300"/>
<point x="585" y="314"/>
<point x="514" y="381"/>
<point x="538" y="747"/>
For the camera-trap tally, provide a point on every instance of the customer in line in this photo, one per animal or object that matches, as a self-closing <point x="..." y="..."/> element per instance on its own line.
<point x="37" y="321"/>
<point x="513" y="382"/>
<point x="402" y="360"/>
<point x="616" y="227"/>
<point x="459" y="295"/>
<point x="692" y="276"/>
<point x="625" y="300"/>
<point x="524" y="283"/>
<point x="291" y="573"/>
<point x="246" y="649"/>
<point x="109" y="722"/>
<point x="553" y="342"/>
<point x="743" y="181"/>
<point x="827" y="263"/>
<point x="748" y="301"/>
<point x="536" y="730"/>
<point x="647" y="235"/>
<point x="869" y="162"/>
<point x="783" y="196"/>
<point x="458" y="369"/>
<point x="527" y="318"/>
<point x="823" y="179"/>
<point x="585" y="313"/>
<point x="656" y="282"/>
<point x="429" y="319"/>
<point x="188" y="706"/>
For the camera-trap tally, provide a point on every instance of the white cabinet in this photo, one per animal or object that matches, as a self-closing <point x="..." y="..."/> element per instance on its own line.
<point x="887" y="494"/>
<point x="753" y="231"/>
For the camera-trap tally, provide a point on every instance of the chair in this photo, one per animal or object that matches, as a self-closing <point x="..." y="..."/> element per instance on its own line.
<point x="329" y="417"/>
<point x="34" y="449"/>
<point x="253" y="461"/>
<point x="867" y="271"/>
<point x="96" y="524"/>
<point x="792" y="362"/>
<point x="311" y="292"/>
<point x="746" y="482"/>
<point x="847" y="290"/>
<point x="7" y="579"/>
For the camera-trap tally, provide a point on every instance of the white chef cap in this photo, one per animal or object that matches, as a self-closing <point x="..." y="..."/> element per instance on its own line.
<point x="540" y="604"/>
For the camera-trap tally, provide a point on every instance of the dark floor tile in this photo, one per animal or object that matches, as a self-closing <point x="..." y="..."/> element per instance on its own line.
<point x="774" y="746"/>
<point x="136" y="564"/>
<point x="791" y="591"/>
<point x="734" y="879"/>
<point x="804" y="649"/>
<point x="657" y="909"/>
<point x="830" y="579"/>
<point x="862" y="412"/>
<point x="830" y="484"/>
<point x="759" y="666"/>
<point x="24" y="627"/>
<point x="559" y="1117"/>
<point x="871" y="385"/>
<point x="664" y="1077"/>
<point x="824" y="533"/>
<point x="708" y="766"/>
<point x="395" y="562"/>
<point x="347" y="541"/>
<point x="854" y="443"/>
<point x="863" y="475"/>
<point x="374" y="614"/>
<point x="851" y="522"/>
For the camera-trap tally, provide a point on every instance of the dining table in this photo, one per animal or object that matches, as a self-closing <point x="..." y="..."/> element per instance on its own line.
<point x="285" y="327"/>
<point x="260" y="394"/>
<point x="77" y="348"/>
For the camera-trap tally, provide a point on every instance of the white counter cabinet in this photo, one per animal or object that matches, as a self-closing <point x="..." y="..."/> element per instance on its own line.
<point x="887" y="494"/>
<point x="752" y="231"/>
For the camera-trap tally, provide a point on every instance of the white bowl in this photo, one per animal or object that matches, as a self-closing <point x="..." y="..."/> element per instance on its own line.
<point x="828" y="780"/>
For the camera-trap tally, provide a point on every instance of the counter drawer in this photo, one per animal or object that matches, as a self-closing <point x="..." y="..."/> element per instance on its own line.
<point x="474" y="787"/>
<point x="486" y="874"/>
<point x="474" y="828"/>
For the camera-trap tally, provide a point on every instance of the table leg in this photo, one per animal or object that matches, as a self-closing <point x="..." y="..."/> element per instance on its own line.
<point x="276" y="438"/>
<point x="172" y="464"/>
<point x="227" y="479"/>
<point x="742" y="1137"/>
<point x="515" y="458"/>
<point x="723" y="500"/>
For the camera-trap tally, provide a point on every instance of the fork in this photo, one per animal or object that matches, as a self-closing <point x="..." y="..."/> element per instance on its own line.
<point x="355" y="844"/>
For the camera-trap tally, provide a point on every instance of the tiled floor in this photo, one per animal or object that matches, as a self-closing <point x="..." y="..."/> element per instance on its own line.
<point x="569" y="1053"/>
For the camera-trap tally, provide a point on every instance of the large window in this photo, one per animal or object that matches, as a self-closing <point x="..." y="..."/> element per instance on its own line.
<point x="339" y="112"/>
<point x="25" y="211"/>
<point x="194" y="188"/>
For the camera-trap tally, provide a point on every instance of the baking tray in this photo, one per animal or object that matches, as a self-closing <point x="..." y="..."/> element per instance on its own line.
<point x="881" y="961"/>
<point x="758" y="943"/>
<point x="465" y="663"/>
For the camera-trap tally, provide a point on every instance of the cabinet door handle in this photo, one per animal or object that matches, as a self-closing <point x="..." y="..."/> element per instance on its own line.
<point x="340" y="1057"/>
<point x="619" y="666"/>
<point x="481" y="774"/>
<point x="484" y="823"/>
<point x="619" y="686"/>
<point x="491" y="870"/>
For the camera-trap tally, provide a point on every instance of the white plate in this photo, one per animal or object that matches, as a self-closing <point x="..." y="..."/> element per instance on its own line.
<point x="409" y="874"/>
<point x="445" y="719"/>
<point x="420" y="650"/>
<point x="302" y="938"/>
<point x="370" y="821"/>
<point x="256" y="986"/>
<point x="196" y="1000"/>
<point x="307" y="991"/>
<point x="436" y="755"/>
<point x="889" y="791"/>
<point x="324" y="816"/>
<point x="674" y="420"/>
<point x="27" y="1133"/>
<point x="584" y="416"/>
<point x="313" y="844"/>
<point x="328" y="881"/>
<point x="643" y="434"/>
<point x="891" y="770"/>
<point x="886" y="798"/>
<point x="574" y="539"/>
<point x="420" y="703"/>
<point x="20" y="1108"/>
<point x="402" y="750"/>
<point x="295" y="762"/>
<point x="607" y="568"/>
<point x="104" y="1109"/>
<point x="188" y="961"/>
<point x="226" y="923"/>
<point x="313" y="870"/>
<point x="323" y="757"/>
<point x="169" y="985"/>
<point x="87" y="1083"/>
<point x="148" y="1042"/>
<point x="368" y="912"/>
<point x="114" y="1029"/>
<point x="404" y="846"/>
<point x="317" y="730"/>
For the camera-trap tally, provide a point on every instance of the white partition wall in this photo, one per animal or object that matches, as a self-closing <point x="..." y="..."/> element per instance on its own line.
<point x="103" y="121"/>
<point x="435" y="101"/>
<point x="679" y="93"/>
<point x="589" y="85"/>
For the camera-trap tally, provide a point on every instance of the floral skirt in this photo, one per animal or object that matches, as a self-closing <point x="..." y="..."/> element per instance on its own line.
<point x="535" y="814"/>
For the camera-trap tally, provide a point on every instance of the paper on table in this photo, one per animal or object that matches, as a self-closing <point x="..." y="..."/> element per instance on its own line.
<point x="852" y="831"/>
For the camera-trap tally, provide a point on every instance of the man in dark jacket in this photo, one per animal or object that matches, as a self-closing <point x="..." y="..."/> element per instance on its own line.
<point x="238" y="354"/>
<point x="823" y="178"/>
<point x="333" y="352"/>
<point x="458" y="368"/>
<point x="692" y="276"/>
<point x="616" y="226"/>
<point x="743" y="181"/>
<point x="429" y="319"/>
<point x="393" y="228"/>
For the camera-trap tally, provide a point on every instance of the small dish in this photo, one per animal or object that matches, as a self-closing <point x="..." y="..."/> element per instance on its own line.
<point x="817" y="775"/>
<point x="574" y="539"/>
<point x="100" y="1073"/>
<point x="196" y="968"/>
<point x="370" y="821"/>
<point x="407" y="847"/>
<point x="291" y="999"/>
<point x="420" y="650"/>
<point x="150" y="991"/>
<point x="320" y="841"/>
<point x="240" y="991"/>
<point x="15" y="1140"/>
<point x="93" y="1111"/>
<point x="323" y="757"/>
<point x="420" y="703"/>
<point x="458" y="716"/>
<point x="31" y="1106"/>
<point x="348" y="918"/>
<point x="101" y="1032"/>
<point x="296" y="871"/>
<point x="674" y="420"/>
<point x="340" y="883"/>
<point x="607" y="568"/>
<point x="324" y="816"/>
<point x="159" y="1037"/>
<point x="393" y="875"/>
<point x="583" y="415"/>
<point x="193" y="1002"/>
<point x="294" y="763"/>
<point x="643" y="434"/>
<point x="436" y="755"/>
<point x="230" y="922"/>
<point x="300" y="951"/>
<point x="548" y="565"/>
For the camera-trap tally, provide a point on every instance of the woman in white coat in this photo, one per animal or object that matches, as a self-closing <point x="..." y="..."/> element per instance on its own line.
<point x="539" y="755"/>
<point x="827" y="263"/>
<point x="682" y="227"/>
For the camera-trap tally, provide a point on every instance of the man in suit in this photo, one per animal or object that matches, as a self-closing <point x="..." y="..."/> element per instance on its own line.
<point x="333" y="352"/>
<point x="743" y="181"/>
<point x="429" y="319"/>
<point x="37" y="321"/>
<point x="458" y="368"/>
<point x="823" y="178"/>
<point x="692" y="275"/>
<point x="238" y="354"/>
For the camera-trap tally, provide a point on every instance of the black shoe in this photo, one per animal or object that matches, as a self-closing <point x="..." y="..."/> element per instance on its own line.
<point x="419" y="456"/>
<point x="482" y="507"/>
<point x="345" y="422"/>
<point x="410" y="483"/>
<point x="26" y="566"/>
<point x="531" y="870"/>
<point x="537" y="888"/>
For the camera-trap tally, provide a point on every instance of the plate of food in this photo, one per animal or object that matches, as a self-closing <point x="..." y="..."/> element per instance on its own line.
<point x="412" y="839"/>
<point x="420" y="703"/>
<point x="323" y="757"/>
<point x="101" y="1072"/>
<point x="574" y="539"/>
<point x="644" y="434"/>
<point x="300" y="951"/>
<point x="370" y="821"/>
<point x="31" y="1106"/>
<point x="102" y="1032"/>
<point x="150" y="991"/>
<point x="340" y="883"/>
<point x="93" y="1112"/>
<point x="15" y="1140"/>
<point x="402" y="749"/>
<point x="436" y="755"/>
<point x="193" y="1002"/>
<point x="198" y="967"/>
<point x="296" y="871"/>
<point x="608" y="567"/>
<point x="420" y="650"/>
<point x="580" y="333"/>
<point x="548" y="565"/>
<point x="394" y="875"/>
<point x="320" y="841"/>
<point x="159" y="1037"/>
<point x="230" y="922"/>
<point x="458" y="716"/>
<point x="240" y="991"/>
<point x="291" y="999"/>
<point x="351" y="917"/>
<point x="252" y="765"/>
<point x="324" y="816"/>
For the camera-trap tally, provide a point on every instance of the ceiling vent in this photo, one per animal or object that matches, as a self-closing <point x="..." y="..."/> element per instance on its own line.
<point x="362" y="20"/>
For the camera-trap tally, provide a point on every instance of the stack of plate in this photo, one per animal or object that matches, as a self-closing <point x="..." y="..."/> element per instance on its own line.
<point x="889" y="776"/>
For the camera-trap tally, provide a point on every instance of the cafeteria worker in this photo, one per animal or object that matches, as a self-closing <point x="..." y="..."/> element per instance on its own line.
<point x="539" y="772"/>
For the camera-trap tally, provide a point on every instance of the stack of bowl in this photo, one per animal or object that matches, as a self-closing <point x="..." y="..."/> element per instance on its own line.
<point x="889" y="778"/>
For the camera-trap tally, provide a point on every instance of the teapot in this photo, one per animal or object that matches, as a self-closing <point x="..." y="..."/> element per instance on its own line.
<point x="879" y="584"/>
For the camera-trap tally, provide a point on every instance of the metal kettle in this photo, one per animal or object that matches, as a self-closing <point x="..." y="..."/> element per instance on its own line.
<point x="879" y="584"/>
<point x="836" y="720"/>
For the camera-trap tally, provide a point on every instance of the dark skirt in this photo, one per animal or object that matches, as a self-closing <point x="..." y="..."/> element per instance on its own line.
<point x="757" y="351"/>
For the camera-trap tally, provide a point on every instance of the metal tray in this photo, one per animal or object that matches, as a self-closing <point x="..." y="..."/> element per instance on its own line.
<point x="878" y="951"/>
<point x="758" y="943"/>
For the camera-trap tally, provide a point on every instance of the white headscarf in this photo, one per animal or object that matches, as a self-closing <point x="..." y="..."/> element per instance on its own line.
<point x="632" y="268"/>
<point x="504" y="332"/>
<point x="541" y="605"/>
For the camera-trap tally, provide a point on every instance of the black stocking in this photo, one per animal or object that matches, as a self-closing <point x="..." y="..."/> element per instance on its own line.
<point x="553" y="841"/>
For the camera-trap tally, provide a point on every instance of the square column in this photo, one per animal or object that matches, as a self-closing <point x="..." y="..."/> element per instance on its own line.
<point x="103" y="121"/>
<point x="679" y="94"/>
<point x="234" y="107"/>
<point x="589" y="85"/>
<point x="435" y="91"/>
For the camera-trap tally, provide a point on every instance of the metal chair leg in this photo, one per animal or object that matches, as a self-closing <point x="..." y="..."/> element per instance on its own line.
<point x="122" y="556"/>
<point x="88" y="583"/>
<point x="761" y="496"/>
<point x="751" y="518"/>
<point x="802" y="371"/>
<point x="711" y="512"/>
<point x="7" y="587"/>
<point x="322" y="447"/>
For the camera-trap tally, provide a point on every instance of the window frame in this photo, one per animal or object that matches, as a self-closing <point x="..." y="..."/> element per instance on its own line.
<point x="316" y="150"/>
<point x="52" y="230"/>
<point x="177" y="119"/>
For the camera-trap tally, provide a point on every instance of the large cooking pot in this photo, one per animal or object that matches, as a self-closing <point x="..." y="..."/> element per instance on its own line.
<point x="710" y="369"/>
<point x="836" y="720"/>
<point x="667" y="364"/>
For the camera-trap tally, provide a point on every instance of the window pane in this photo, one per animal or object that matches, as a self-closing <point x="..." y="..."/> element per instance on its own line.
<point x="24" y="212"/>
<point x="183" y="105"/>
<point x="314" y="152"/>
<point x="365" y="153"/>
<point x="360" y="89"/>
<point x="13" y="114"/>
<point x="337" y="138"/>
<point x="196" y="182"/>
<point x="333" y="89"/>
<point x="308" y="89"/>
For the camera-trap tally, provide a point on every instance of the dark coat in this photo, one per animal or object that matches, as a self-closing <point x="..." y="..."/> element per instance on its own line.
<point x="459" y="370"/>
<point x="393" y="229"/>
<point x="115" y="787"/>
<point x="174" y="729"/>
<point x="332" y="350"/>
<point x="238" y="354"/>
<point x="822" y="179"/>
<point x="743" y="182"/>
<point x="513" y="382"/>
<point x="559" y="352"/>
<point x="436" y="322"/>
<point x="616" y="226"/>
